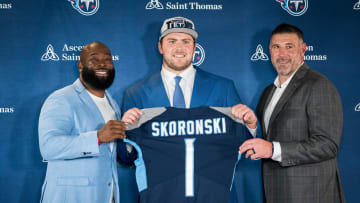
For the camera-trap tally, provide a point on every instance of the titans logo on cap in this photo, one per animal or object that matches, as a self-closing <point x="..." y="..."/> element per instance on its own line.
<point x="179" y="23"/>
<point x="294" y="7"/>
<point x="85" y="7"/>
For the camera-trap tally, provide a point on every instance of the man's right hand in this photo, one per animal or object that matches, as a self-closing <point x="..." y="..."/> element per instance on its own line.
<point x="131" y="115"/>
<point x="112" y="130"/>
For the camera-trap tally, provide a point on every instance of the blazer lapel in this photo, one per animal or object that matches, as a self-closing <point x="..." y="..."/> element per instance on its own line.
<point x="155" y="92"/>
<point x="90" y="104"/>
<point x="294" y="83"/>
<point x="263" y="105"/>
<point x="114" y="106"/>
<point x="86" y="99"/>
<point x="201" y="90"/>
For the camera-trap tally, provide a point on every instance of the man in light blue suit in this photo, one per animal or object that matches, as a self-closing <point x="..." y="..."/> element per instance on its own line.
<point x="78" y="129"/>
<point x="198" y="88"/>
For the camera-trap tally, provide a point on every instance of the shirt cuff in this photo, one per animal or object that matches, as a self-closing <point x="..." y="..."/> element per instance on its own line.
<point x="277" y="152"/>
<point x="252" y="131"/>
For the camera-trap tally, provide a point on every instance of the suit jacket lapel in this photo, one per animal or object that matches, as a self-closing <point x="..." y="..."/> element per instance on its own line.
<point x="90" y="104"/>
<point x="86" y="99"/>
<point x="201" y="90"/>
<point x="294" y="83"/>
<point x="263" y="105"/>
<point x="155" y="92"/>
<point x="114" y="106"/>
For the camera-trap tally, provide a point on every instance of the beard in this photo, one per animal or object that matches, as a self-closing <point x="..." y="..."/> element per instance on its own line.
<point x="98" y="82"/>
<point x="172" y="63"/>
<point x="175" y="67"/>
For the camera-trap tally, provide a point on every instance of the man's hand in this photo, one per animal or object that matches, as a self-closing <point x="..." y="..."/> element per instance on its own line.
<point x="131" y="115"/>
<point x="112" y="130"/>
<point x="256" y="148"/>
<point x="244" y="113"/>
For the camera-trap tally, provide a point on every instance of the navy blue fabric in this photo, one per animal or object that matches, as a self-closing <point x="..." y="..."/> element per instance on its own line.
<point x="215" y="156"/>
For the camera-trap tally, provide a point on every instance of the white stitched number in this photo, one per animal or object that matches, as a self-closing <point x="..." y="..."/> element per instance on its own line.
<point x="189" y="167"/>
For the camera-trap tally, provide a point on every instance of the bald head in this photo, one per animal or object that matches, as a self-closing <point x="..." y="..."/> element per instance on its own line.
<point x="93" y="48"/>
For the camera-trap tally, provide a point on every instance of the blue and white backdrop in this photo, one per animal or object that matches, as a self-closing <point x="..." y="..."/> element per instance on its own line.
<point x="40" y="42"/>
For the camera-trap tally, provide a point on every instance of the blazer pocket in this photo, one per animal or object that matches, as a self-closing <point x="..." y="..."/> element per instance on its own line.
<point x="75" y="181"/>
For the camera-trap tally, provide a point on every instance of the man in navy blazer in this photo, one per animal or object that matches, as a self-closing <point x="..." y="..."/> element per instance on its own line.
<point x="77" y="128"/>
<point x="198" y="87"/>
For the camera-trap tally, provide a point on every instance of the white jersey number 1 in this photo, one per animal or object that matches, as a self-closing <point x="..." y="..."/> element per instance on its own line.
<point x="189" y="167"/>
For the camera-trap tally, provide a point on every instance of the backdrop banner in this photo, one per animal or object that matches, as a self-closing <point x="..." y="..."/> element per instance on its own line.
<point x="41" y="43"/>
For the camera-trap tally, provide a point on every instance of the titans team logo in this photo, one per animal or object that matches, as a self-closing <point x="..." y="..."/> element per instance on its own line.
<point x="294" y="7"/>
<point x="357" y="107"/>
<point x="85" y="7"/>
<point x="199" y="55"/>
<point x="154" y="4"/>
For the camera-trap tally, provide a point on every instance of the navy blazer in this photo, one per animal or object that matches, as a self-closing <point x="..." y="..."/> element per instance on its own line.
<point x="209" y="90"/>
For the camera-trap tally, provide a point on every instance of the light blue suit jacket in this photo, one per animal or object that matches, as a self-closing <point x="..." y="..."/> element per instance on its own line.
<point x="209" y="90"/>
<point x="78" y="170"/>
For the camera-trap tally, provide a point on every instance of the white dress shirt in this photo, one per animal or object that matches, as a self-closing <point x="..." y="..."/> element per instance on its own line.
<point x="186" y="83"/>
<point x="280" y="88"/>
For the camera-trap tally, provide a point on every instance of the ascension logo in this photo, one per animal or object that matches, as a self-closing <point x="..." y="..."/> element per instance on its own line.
<point x="156" y="4"/>
<point x="311" y="55"/>
<point x="86" y="7"/>
<point x="294" y="7"/>
<point x="199" y="55"/>
<point x="259" y="54"/>
<point x="357" y="107"/>
<point x="357" y="5"/>
<point x="50" y="54"/>
<point x="69" y="53"/>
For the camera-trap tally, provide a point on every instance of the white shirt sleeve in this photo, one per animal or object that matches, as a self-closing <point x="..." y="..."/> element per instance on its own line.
<point x="252" y="131"/>
<point x="277" y="152"/>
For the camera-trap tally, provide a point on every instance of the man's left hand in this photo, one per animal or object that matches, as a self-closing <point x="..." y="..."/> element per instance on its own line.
<point x="256" y="148"/>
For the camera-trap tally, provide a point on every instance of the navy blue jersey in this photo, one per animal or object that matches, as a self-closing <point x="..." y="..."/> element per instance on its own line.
<point x="186" y="155"/>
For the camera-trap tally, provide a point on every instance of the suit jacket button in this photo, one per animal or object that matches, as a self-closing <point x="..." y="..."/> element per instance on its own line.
<point x="109" y="184"/>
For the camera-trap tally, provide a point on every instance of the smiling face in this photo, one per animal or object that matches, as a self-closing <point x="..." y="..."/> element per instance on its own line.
<point x="287" y="54"/>
<point x="96" y="66"/>
<point x="177" y="50"/>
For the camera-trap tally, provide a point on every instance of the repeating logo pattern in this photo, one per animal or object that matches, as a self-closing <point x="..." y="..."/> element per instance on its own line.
<point x="85" y="7"/>
<point x="259" y="54"/>
<point x="199" y="55"/>
<point x="357" y="5"/>
<point x="357" y="107"/>
<point x="50" y="54"/>
<point x="294" y="7"/>
<point x="154" y="4"/>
